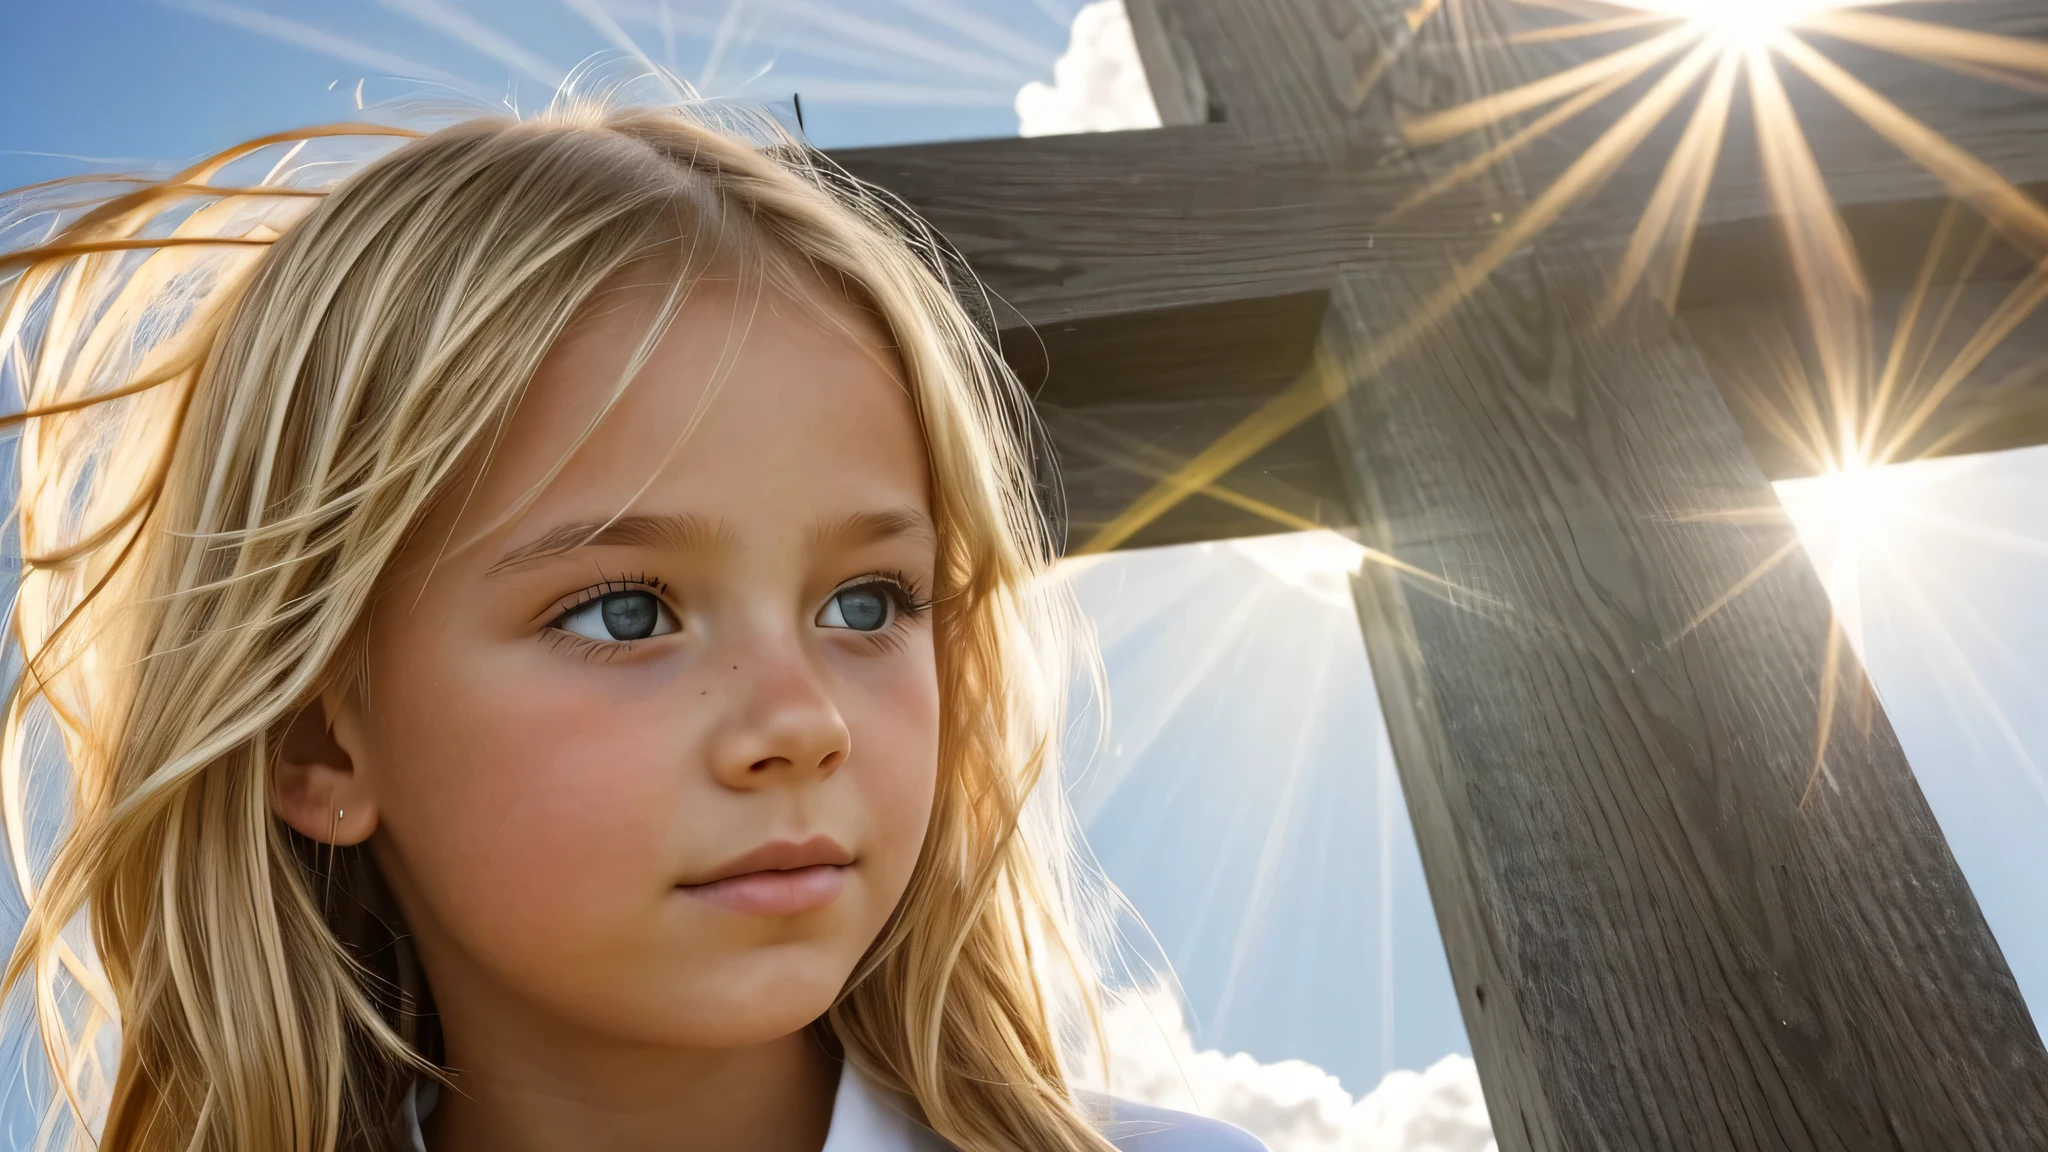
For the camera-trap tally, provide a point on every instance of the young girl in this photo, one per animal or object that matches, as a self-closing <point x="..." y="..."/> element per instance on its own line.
<point x="549" y="639"/>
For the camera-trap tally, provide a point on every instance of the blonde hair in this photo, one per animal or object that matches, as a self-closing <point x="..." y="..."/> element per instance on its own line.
<point x="241" y="392"/>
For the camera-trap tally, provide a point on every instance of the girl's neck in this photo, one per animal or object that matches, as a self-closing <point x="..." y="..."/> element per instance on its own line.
<point x="556" y="1097"/>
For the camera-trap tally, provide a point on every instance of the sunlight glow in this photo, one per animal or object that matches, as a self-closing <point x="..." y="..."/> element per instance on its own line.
<point x="1693" y="60"/>
<point x="1855" y="516"/>
<point x="1854" y="522"/>
<point x="1696" y="59"/>
<point x="1319" y="563"/>
<point x="1744" y="24"/>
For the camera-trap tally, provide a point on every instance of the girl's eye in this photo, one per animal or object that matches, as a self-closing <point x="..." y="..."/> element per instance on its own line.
<point x="619" y="616"/>
<point x="863" y="608"/>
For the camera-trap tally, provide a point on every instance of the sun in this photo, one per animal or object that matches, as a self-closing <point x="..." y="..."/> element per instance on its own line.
<point x="1749" y="25"/>
<point x="1858" y="517"/>
<point x="1855" y="507"/>
<point x="1856" y="522"/>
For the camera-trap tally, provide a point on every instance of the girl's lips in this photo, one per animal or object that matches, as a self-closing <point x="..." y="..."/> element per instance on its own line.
<point x="775" y="892"/>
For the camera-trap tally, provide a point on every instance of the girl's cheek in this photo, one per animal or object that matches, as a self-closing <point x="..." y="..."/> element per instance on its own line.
<point x="532" y="801"/>
<point x="897" y="745"/>
<point x="546" y="805"/>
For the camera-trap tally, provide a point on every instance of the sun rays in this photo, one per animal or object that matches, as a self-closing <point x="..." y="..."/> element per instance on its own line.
<point x="1713" y="51"/>
<point x="1244" y="794"/>
<point x="1887" y="543"/>
<point x="1663" y="91"/>
<point x="1714" y="55"/>
<point x="1874" y="454"/>
<point x="1846" y="521"/>
<point x="930" y="53"/>
<point x="1856" y="517"/>
<point x="1847" y="402"/>
<point x="1869" y="449"/>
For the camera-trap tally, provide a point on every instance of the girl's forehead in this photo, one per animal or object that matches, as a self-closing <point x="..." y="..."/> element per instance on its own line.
<point x="759" y="405"/>
<point x="693" y="338"/>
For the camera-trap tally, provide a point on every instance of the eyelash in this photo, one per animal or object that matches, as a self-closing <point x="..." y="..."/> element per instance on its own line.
<point x="596" y="651"/>
<point x="911" y="604"/>
<point x="909" y="597"/>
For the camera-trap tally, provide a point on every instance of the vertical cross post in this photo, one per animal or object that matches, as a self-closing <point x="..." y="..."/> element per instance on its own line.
<point x="1690" y="892"/>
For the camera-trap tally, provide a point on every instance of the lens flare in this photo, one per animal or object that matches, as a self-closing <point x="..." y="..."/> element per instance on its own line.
<point x="1850" y="518"/>
<point x="1694" y="59"/>
<point x="1739" y="24"/>
<point x="1855" y="522"/>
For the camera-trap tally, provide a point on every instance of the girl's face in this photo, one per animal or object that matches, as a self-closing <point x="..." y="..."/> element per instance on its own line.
<point x="654" y="760"/>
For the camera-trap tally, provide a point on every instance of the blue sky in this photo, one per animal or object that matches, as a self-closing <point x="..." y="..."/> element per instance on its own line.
<point x="135" y="79"/>
<point x="1243" y="797"/>
<point x="1249" y="869"/>
<point x="1944" y="600"/>
<point x="1245" y="800"/>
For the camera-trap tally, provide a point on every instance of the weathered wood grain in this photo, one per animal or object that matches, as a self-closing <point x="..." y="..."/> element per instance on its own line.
<point x="1657" y="945"/>
<point x="1661" y="935"/>
<point x="1126" y="399"/>
<point x="1177" y="89"/>
<point x="1665" y="932"/>
<point x="1271" y="72"/>
<point x="1763" y="356"/>
<point x="1096" y="224"/>
<point x="1068" y="227"/>
<point x="1109" y="456"/>
<point x="1095" y="228"/>
<point x="1660" y="938"/>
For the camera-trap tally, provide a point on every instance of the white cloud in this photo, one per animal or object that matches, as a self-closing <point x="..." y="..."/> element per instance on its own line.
<point x="1098" y="84"/>
<point x="1292" y="1105"/>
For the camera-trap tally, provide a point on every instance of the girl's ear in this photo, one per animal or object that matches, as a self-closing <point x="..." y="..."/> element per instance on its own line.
<point x="315" y="787"/>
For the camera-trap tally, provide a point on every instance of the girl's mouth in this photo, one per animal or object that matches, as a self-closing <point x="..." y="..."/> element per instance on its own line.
<point x="774" y="892"/>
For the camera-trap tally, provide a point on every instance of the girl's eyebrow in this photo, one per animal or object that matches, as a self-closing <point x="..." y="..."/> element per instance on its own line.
<point x="696" y="533"/>
<point x="682" y="532"/>
<point x="868" y="527"/>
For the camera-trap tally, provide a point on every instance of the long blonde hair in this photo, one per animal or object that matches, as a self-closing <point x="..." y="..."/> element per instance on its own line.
<point x="242" y="386"/>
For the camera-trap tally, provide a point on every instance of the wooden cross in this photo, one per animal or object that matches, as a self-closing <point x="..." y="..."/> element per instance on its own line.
<point x="1605" y="699"/>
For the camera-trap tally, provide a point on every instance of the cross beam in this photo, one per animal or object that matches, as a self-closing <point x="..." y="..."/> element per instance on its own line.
<point x="1690" y="893"/>
<point x="1096" y="228"/>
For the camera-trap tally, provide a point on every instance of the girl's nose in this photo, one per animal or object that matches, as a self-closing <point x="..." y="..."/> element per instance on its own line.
<point x="781" y="724"/>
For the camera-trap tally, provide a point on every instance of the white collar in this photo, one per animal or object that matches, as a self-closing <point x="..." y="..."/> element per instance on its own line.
<point x="863" y="1119"/>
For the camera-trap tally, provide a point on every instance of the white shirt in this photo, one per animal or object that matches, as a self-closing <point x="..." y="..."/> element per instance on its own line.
<point x="863" y="1120"/>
